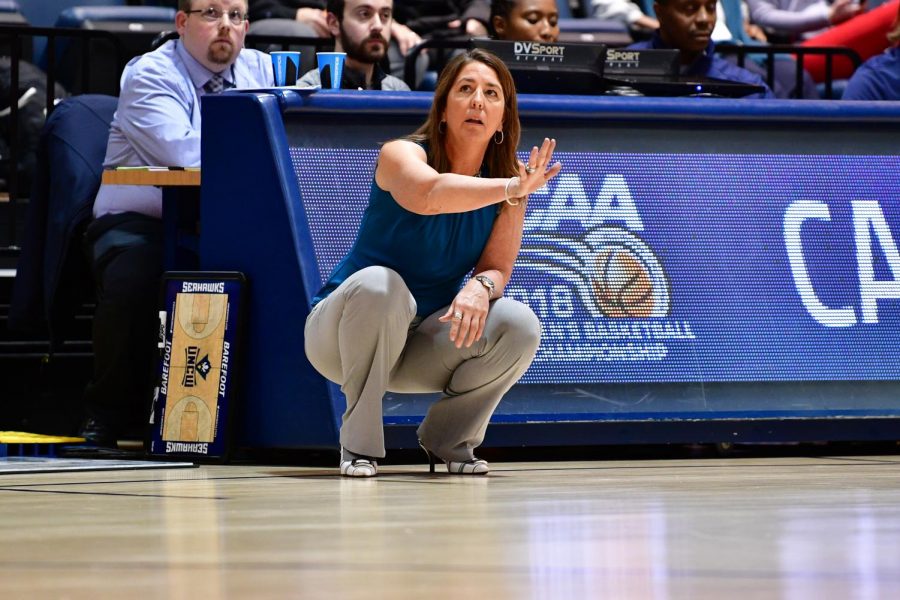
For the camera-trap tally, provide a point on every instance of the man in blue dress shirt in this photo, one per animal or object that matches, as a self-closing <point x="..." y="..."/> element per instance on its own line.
<point x="157" y="123"/>
<point x="687" y="25"/>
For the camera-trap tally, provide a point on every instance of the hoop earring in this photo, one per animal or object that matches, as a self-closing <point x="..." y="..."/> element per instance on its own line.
<point x="442" y="127"/>
<point x="502" y="137"/>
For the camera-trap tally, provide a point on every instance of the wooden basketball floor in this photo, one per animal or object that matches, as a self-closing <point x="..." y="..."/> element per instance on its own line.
<point x="795" y="527"/>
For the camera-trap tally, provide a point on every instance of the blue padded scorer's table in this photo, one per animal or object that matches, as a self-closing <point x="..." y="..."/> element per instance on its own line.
<point x="705" y="269"/>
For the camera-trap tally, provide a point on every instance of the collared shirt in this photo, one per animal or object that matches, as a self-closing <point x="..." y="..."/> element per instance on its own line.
<point x="877" y="79"/>
<point x="157" y="121"/>
<point x="710" y="65"/>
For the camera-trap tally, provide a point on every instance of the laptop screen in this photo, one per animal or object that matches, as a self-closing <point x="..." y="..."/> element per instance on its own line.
<point x="655" y="72"/>
<point x="641" y="63"/>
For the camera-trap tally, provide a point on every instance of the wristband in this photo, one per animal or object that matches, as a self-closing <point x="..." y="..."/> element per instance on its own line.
<point x="506" y="198"/>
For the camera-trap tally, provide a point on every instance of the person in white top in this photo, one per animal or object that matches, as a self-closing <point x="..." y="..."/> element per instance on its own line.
<point x="624" y="11"/>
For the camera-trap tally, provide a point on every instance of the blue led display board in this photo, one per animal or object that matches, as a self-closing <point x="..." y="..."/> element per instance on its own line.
<point x="685" y="267"/>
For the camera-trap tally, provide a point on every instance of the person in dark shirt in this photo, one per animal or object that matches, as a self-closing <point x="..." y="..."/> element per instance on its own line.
<point x="687" y="25"/>
<point x="413" y="19"/>
<point x="307" y="18"/>
<point x="525" y="20"/>
<point x="362" y="30"/>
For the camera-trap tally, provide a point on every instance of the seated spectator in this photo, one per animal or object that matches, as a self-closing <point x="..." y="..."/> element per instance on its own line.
<point x="307" y="18"/>
<point x="525" y="20"/>
<point x="865" y="34"/>
<point x="844" y="23"/>
<point x="879" y="77"/>
<point x="157" y="122"/>
<point x="792" y="20"/>
<point x="624" y="11"/>
<point x="687" y="25"/>
<point x="362" y="29"/>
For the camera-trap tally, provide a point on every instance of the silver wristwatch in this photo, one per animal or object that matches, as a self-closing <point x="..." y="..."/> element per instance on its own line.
<point x="488" y="284"/>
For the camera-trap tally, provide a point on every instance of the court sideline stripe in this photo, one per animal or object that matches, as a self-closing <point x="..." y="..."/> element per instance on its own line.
<point x="33" y="491"/>
<point x="318" y="474"/>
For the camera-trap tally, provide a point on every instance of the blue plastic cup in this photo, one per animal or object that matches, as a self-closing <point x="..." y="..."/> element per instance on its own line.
<point x="286" y="66"/>
<point x="331" y="69"/>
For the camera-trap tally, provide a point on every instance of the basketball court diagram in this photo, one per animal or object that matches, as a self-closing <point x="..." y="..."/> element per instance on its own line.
<point x="195" y="367"/>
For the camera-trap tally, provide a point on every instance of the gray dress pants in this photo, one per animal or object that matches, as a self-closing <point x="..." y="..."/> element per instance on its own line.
<point x="364" y="337"/>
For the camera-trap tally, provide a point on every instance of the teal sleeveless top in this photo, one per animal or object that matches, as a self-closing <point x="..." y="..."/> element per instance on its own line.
<point x="432" y="253"/>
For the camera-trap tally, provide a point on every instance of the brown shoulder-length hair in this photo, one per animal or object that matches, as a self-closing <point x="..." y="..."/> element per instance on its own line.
<point x="500" y="159"/>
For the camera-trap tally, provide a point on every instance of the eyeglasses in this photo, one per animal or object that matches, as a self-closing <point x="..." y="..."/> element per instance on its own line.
<point x="211" y="14"/>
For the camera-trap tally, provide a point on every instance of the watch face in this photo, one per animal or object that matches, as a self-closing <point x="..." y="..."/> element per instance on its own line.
<point x="487" y="283"/>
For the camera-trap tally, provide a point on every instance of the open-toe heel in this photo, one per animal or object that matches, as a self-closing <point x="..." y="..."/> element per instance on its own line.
<point x="473" y="466"/>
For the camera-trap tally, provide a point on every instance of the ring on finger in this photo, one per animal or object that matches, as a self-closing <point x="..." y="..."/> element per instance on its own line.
<point x="529" y="169"/>
<point x="457" y="316"/>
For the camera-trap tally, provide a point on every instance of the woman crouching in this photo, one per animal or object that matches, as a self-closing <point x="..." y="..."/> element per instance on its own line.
<point x="398" y="314"/>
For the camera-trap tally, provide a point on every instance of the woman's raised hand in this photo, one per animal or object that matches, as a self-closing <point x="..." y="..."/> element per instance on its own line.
<point x="535" y="174"/>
